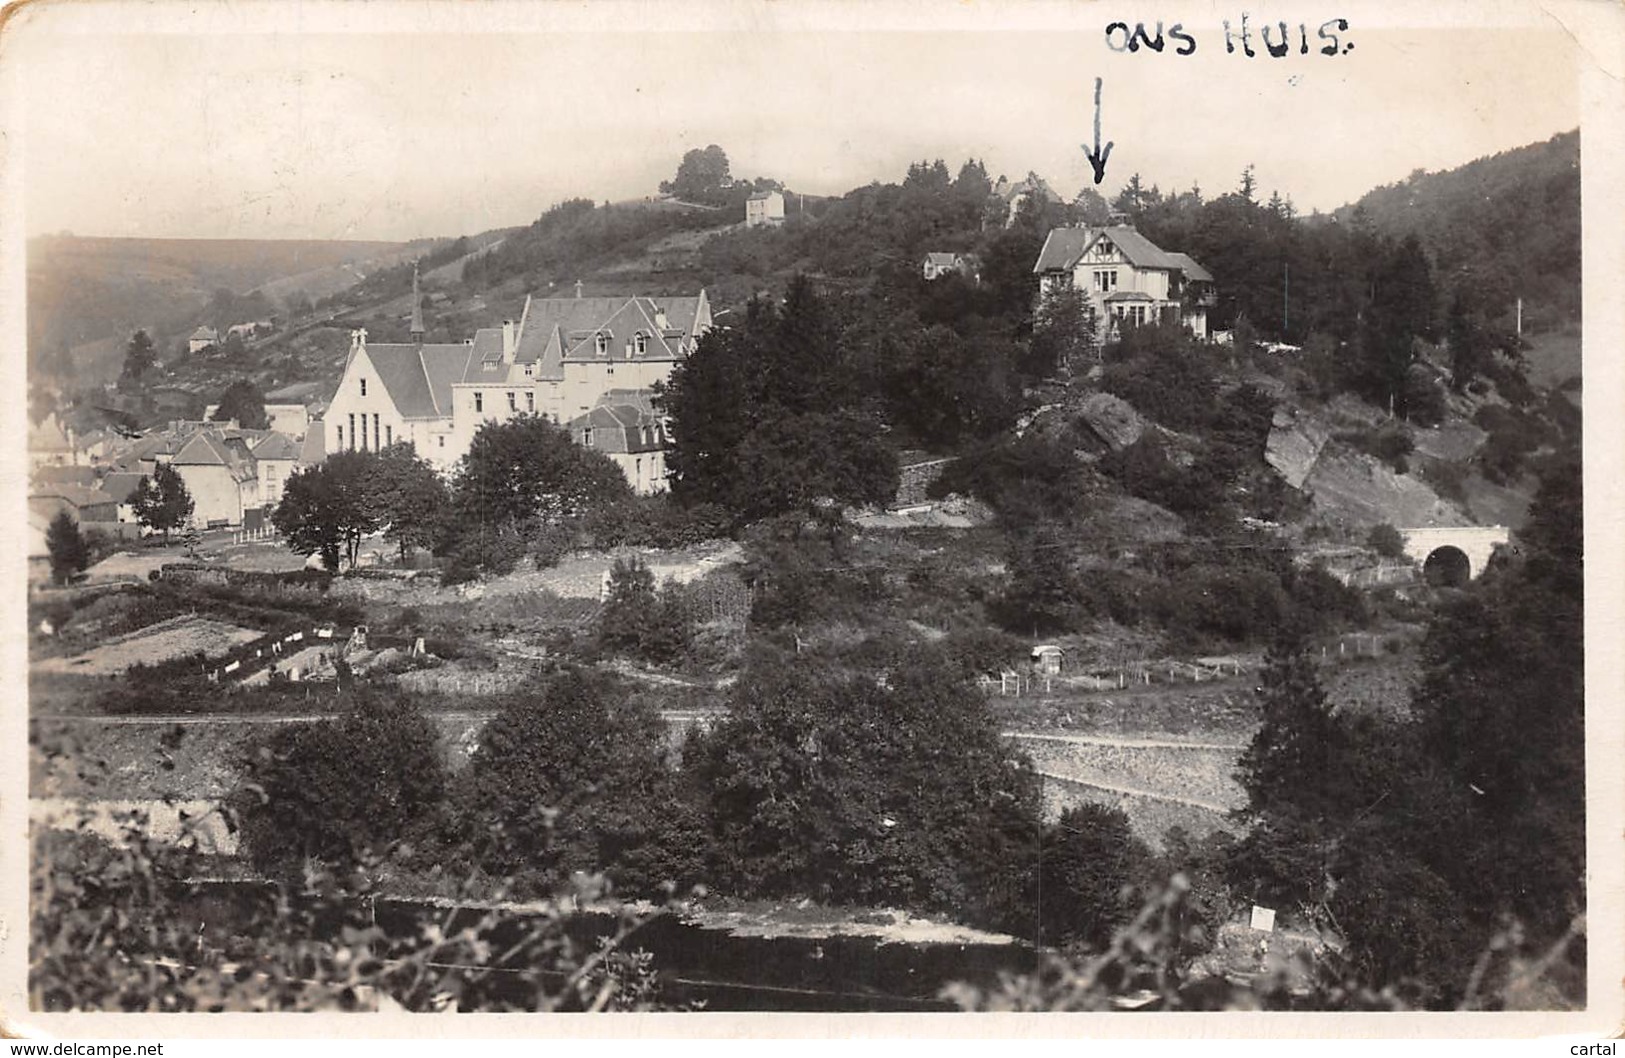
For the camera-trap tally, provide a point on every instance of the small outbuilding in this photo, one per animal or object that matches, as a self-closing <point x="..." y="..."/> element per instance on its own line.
<point x="1047" y="659"/>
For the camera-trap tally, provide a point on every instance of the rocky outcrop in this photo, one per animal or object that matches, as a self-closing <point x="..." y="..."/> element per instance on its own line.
<point x="1111" y="419"/>
<point x="1294" y="444"/>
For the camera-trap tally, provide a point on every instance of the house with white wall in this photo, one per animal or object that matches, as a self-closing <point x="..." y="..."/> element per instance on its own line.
<point x="1125" y="278"/>
<point x="764" y="207"/>
<point x="558" y="360"/>
<point x="625" y="426"/>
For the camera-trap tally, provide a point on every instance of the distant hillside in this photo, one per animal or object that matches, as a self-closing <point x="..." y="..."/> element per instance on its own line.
<point x="1510" y="221"/>
<point x="83" y="291"/>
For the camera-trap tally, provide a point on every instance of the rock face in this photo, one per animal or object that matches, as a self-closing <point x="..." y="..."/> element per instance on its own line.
<point x="1112" y="419"/>
<point x="1356" y="490"/>
<point x="1294" y="445"/>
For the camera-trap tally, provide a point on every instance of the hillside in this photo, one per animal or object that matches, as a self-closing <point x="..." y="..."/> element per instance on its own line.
<point x="1512" y="220"/>
<point x="86" y="294"/>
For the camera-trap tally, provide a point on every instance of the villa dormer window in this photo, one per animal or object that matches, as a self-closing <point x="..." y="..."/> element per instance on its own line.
<point x="601" y="344"/>
<point x="640" y="343"/>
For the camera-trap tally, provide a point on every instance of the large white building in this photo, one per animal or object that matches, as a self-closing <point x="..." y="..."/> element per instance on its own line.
<point x="560" y="359"/>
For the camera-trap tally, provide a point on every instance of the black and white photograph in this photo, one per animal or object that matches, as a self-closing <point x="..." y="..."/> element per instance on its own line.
<point x="736" y="509"/>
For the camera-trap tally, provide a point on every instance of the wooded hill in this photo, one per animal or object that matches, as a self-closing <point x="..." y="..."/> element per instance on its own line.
<point x="1508" y="223"/>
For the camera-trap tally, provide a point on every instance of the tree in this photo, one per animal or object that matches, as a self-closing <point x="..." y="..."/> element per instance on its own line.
<point x="243" y="402"/>
<point x="140" y="356"/>
<point x="412" y="499"/>
<point x="529" y="469"/>
<point x="700" y="175"/>
<point x="66" y="547"/>
<point x="1044" y="593"/>
<point x="341" y="790"/>
<point x="766" y="416"/>
<point x="570" y="775"/>
<point x="326" y="509"/>
<point x="641" y="620"/>
<point x="1502" y="701"/>
<point x="162" y="501"/>
<point x="1386" y="541"/>
<point x="972" y="185"/>
<point x="1063" y="335"/>
<point x="870" y="787"/>
<point x="1287" y="768"/>
<point x="712" y="400"/>
<point x="1249" y="183"/>
<point x="1087" y="867"/>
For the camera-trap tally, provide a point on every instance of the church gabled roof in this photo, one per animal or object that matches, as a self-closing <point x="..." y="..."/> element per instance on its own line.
<point x="418" y="378"/>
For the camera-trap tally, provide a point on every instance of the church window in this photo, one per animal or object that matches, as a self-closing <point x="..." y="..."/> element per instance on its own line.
<point x="363" y="387"/>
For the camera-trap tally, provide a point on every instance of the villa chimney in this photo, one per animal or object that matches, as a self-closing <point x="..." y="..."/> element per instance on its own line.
<point x="660" y="320"/>
<point x="507" y="341"/>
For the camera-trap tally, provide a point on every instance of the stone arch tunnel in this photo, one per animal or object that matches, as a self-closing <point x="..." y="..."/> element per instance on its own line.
<point x="1457" y="551"/>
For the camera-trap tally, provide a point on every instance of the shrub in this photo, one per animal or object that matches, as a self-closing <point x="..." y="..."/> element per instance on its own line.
<point x="571" y="775"/>
<point x="846" y="788"/>
<point x="112" y="928"/>
<point x="1389" y="443"/>
<point x="493" y="552"/>
<point x="1088" y="865"/>
<point x="340" y="790"/>
<point x="1385" y="540"/>
<point x="642" y="621"/>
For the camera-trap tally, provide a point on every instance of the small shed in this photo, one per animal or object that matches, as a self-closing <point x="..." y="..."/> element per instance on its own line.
<point x="1047" y="659"/>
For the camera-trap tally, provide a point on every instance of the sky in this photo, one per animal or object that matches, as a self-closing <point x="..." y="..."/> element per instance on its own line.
<point x="237" y="120"/>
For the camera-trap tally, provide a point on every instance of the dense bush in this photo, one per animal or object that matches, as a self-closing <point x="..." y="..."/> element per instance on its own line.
<point x="571" y="775"/>
<point x="342" y="789"/>
<point x="1385" y="540"/>
<point x="1163" y="371"/>
<point x="642" y="620"/>
<point x="1090" y="864"/>
<point x="1390" y="443"/>
<point x="845" y="787"/>
<point x="1513" y="437"/>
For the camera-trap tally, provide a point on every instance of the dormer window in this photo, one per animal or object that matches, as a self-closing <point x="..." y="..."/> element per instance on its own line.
<point x="601" y="344"/>
<point x="640" y="343"/>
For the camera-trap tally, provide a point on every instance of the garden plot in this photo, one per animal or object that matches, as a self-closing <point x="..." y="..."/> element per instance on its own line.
<point x="178" y="637"/>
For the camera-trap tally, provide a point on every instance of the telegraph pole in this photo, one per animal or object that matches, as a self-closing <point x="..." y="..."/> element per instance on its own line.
<point x="1286" y="298"/>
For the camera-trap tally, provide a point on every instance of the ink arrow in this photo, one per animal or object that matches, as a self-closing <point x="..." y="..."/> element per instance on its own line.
<point x="1097" y="157"/>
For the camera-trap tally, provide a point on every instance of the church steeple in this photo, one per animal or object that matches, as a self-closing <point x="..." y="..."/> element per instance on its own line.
<point x="417" y="310"/>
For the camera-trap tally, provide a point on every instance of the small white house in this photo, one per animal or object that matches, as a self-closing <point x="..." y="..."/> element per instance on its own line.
<point x="764" y="207"/>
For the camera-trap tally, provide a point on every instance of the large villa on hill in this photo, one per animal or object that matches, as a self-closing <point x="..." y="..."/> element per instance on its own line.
<point x="588" y="364"/>
<point x="1125" y="277"/>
